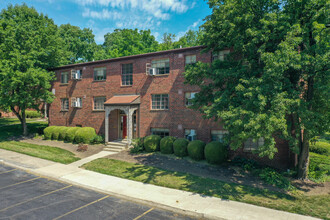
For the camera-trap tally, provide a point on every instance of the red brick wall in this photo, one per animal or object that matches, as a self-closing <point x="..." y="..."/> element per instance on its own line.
<point x="178" y="116"/>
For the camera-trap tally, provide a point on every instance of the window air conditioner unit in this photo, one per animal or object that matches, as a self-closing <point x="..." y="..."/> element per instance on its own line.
<point x="153" y="71"/>
<point x="76" y="74"/>
<point x="76" y="102"/>
<point x="192" y="95"/>
<point x="192" y="135"/>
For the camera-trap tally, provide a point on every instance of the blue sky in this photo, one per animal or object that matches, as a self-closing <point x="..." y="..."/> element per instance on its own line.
<point x="103" y="16"/>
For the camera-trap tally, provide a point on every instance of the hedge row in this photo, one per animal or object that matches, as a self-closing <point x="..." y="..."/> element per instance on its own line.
<point x="32" y="114"/>
<point x="214" y="152"/>
<point x="86" y="135"/>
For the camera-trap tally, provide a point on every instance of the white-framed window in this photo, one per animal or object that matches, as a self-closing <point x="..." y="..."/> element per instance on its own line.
<point x="162" y="132"/>
<point x="190" y="59"/>
<point x="159" y="101"/>
<point x="218" y="135"/>
<point x="162" y="66"/>
<point x="190" y="134"/>
<point x="188" y="98"/>
<point x="250" y="145"/>
<point x="221" y="55"/>
<point x="64" y="104"/>
<point x="127" y="74"/>
<point x="99" y="103"/>
<point x="76" y="102"/>
<point x="100" y="74"/>
<point x="64" y="77"/>
<point x="76" y="74"/>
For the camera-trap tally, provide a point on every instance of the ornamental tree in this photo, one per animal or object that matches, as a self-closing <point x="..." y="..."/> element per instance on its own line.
<point x="29" y="46"/>
<point x="275" y="81"/>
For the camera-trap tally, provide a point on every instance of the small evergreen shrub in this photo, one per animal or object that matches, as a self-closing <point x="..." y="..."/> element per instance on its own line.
<point x="166" y="145"/>
<point x="138" y="146"/>
<point x="85" y="135"/>
<point x="196" y="149"/>
<point x="56" y="132"/>
<point x="151" y="143"/>
<point x="98" y="139"/>
<point x="71" y="133"/>
<point x="62" y="133"/>
<point x="320" y="148"/>
<point x="215" y="152"/>
<point x="48" y="132"/>
<point x="180" y="147"/>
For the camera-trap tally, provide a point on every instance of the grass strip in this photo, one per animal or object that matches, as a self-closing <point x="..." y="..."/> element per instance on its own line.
<point x="317" y="206"/>
<point x="45" y="152"/>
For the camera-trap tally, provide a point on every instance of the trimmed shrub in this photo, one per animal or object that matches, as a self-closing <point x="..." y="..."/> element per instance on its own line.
<point x="138" y="146"/>
<point x="166" y="145"/>
<point x="215" y="152"/>
<point x="32" y="114"/>
<point x="62" y="133"/>
<point x="85" y="135"/>
<point x="151" y="143"/>
<point x="196" y="149"/>
<point x="98" y="139"/>
<point x="180" y="147"/>
<point x="71" y="133"/>
<point x="48" y="132"/>
<point x="320" y="148"/>
<point x="56" y="132"/>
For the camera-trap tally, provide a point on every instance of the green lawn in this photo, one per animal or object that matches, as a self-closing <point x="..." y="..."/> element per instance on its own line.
<point x="45" y="152"/>
<point x="297" y="203"/>
<point x="10" y="121"/>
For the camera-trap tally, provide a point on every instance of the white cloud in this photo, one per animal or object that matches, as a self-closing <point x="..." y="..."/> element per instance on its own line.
<point x="104" y="14"/>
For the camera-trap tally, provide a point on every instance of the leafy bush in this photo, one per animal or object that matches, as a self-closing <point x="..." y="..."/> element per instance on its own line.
<point x="272" y="177"/>
<point x="71" y="133"/>
<point x="196" y="149"/>
<point x="62" y="133"/>
<point x="180" y="147"/>
<point x="166" y="145"/>
<point x="151" y="143"/>
<point x="137" y="146"/>
<point x="85" y="135"/>
<point x="319" y="167"/>
<point x="48" y="132"/>
<point x="320" y="148"/>
<point x="98" y="139"/>
<point x="56" y="132"/>
<point x="215" y="152"/>
<point x="246" y="164"/>
<point x="32" y="114"/>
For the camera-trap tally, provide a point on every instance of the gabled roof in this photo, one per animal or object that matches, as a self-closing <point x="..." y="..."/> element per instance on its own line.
<point x="123" y="100"/>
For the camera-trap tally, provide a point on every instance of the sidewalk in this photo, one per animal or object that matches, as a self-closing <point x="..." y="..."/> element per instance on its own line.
<point x="191" y="203"/>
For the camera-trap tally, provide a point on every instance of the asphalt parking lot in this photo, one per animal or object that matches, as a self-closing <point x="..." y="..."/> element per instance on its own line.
<point x="27" y="196"/>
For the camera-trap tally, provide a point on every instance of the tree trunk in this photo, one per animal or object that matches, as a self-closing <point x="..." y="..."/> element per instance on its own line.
<point x="24" y="126"/>
<point x="303" y="160"/>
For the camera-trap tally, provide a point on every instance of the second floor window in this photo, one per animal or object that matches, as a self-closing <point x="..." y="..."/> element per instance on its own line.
<point x="64" y="77"/>
<point x="159" y="101"/>
<point x="188" y="98"/>
<point x="64" y="104"/>
<point x="191" y="59"/>
<point x="127" y="74"/>
<point x="162" y="66"/>
<point x="221" y="55"/>
<point x="100" y="74"/>
<point x="99" y="103"/>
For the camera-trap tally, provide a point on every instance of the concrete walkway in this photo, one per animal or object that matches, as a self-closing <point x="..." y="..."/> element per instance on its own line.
<point x="186" y="202"/>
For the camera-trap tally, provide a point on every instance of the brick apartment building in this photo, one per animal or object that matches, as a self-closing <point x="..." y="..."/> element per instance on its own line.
<point x="139" y="95"/>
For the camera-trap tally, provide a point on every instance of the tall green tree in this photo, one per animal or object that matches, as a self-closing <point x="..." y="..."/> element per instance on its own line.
<point x="125" y="42"/>
<point x="79" y="43"/>
<point x="29" y="46"/>
<point x="275" y="81"/>
<point x="168" y="41"/>
<point x="189" y="39"/>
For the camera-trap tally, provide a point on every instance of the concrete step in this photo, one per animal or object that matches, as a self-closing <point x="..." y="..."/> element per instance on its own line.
<point x="116" y="147"/>
<point x="120" y="144"/>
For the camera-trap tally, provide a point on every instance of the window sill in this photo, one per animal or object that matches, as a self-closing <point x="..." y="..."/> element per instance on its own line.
<point x="100" y="80"/>
<point x="159" y="75"/>
<point x="64" y="84"/>
<point x="157" y="110"/>
<point x="125" y="86"/>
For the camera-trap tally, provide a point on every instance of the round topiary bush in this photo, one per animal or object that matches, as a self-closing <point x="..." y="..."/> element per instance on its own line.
<point x="85" y="135"/>
<point x="151" y="143"/>
<point x="196" y="150"/>
<point x="71" y="133"/>
<point x="215" y="152"/>
<point x="62" y="133"/>
<point x="166" y="145"/>
<point x="56" y="132"/>
<point x="48" y="132"/>
<point x="180" y="147"/>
